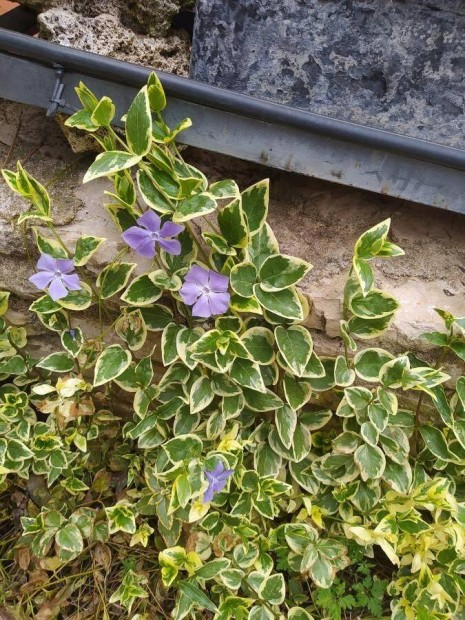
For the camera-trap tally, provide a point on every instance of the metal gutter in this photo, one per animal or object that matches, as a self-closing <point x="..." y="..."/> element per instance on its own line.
<point x="247" y="127"/>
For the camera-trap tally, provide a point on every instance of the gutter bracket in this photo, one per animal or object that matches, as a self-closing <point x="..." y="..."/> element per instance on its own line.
<point x="55" y="100"/>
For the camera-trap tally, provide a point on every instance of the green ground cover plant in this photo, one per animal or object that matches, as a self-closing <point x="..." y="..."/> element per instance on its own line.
<point x="196" y="457"/>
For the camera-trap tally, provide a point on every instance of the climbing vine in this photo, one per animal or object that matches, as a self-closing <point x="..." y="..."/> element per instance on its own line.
<point x="195" y="457"/>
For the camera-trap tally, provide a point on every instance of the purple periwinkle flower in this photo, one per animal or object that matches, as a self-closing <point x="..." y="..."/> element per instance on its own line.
<point x="150" y="231"/>
<point x="217" y="479"/>
<point x="206" y="291"/>
<point x="57" y="275"/>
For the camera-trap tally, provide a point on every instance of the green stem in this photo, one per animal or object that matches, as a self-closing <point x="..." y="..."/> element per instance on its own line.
<point x="157" y="263"/>
<point x="346" y="354"/>
<point x="197" y="242"/>
<point x="114" y="135"/>
<point x="188" y="318"/>
<point x="100" y="315"/>
<point x="120" y="255"/>
<point x="127" y="174"/>
<point x="58" y="238"/>
<point x="415" y="436"/>
<point x="345" y="309"/>
<point x="107" y="331"/>
<point x="177" y="151"/>
<point x="143" y="166"/>
<point x="211" y="225"/>
<point x="54" y="582"/>
<point x="96" y="292"/>
<point x="25" y="243"/>
<point x="64" y="171"/>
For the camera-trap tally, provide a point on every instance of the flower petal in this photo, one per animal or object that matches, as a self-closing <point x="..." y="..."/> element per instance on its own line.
<point x="172" y="246"/>
<point x="218" y="469"/>
<point x="150" y="220"/>
<point x="201" y="308"/>
<point x="146" y="248"/>
<point x="41" y="279"/>
<point x="208" y="495"/>
<point x="219" y="302"/>
<point x="57" y="289"/>
<point x="198" y="274"/>
<point x="47" y="263"/>
<point x="135" y="235"/>
<point x="209" y="476"/>
<point x="190" y="292"/>
<point x="71" y="281"/>
<point x="218" y="485"/>
<point x="65" y="265"/>
<point x="170" y="229"/>
<point x="218" y="282"/>
<point x="140" y="241"/>
<point x="227" y="473"/>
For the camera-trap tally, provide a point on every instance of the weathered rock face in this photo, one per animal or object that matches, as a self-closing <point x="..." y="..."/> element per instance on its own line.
<point x="315" y="220"/>
<point x="393" y="64"/>
<point x="104" y="34"/>
<point x="151" y="17"/>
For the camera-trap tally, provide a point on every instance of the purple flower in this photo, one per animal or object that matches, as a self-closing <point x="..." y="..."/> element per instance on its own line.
<point x="56" y="274"/>
<point x="206" y="291"/>
<point x="144" y="238"/>
<point x="217" y="479"/>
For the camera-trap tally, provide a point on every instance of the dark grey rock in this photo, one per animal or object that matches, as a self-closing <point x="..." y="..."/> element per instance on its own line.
<point x="392" y="64"/>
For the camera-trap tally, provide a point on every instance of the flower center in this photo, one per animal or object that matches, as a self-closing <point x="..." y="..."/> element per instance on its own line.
<point x="154" y="236"/>
<point x="206" y="290"/>
<point x="57" y="273"/>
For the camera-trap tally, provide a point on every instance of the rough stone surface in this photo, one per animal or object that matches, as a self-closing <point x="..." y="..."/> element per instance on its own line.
<point x="151" y="17"/>
<point x="104" y="34"/>
<point x="315" y="220"/>
<point x="79" y="141"/>
<point x="44" y="152"/>
<point x="393" y="64"/>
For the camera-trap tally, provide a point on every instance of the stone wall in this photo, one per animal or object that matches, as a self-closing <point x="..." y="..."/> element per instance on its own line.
<point x="135" y="30"/>
<point x="151" y="17"/>
<point x="392" y="64"/>
<point x="315" y="220"/>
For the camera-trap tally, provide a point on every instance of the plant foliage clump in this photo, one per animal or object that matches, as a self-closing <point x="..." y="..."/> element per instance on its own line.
<point x="195" y="457"/>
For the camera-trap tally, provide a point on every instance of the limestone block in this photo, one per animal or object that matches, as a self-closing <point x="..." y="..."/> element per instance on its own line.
<point x="104" y="34"/>
<point x="151" y="17"/>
